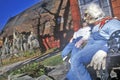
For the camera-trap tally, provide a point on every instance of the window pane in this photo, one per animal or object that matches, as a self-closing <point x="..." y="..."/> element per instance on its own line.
<point x="86" y="1"/>
<point x="81" y="2"/>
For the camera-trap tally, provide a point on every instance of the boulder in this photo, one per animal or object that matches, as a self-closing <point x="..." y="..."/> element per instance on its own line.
<point x="60" y="71"/>
<point x="44" y="77"/>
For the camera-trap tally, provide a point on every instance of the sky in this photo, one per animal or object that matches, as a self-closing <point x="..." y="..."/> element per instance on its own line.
<point x="10" y="8"/>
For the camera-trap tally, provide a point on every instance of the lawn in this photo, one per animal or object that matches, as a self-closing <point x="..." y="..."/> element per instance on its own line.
<point x="52" y="61"/>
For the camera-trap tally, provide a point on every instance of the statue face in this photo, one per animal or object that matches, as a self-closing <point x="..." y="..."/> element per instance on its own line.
<point x="93" y="13"/>
<point x="89" y="19"/>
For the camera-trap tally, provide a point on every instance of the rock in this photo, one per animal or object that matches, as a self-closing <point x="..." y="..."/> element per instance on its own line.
<point x="44" y="77"/>
<point x="113" y="74"/>
<point x="59" y="72"/>
<point x="26" y="77"/>
<point x="24" y="21"/>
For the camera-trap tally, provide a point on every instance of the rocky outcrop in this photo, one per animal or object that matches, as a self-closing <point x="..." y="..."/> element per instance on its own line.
<point x="46" y="10"/>
<point x="24" y="21"/>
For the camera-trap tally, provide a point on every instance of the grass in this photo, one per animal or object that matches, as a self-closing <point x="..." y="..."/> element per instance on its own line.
<point x="36" y="69"/>
<point x="52" y="61"/>
<point x="3" y="78"/>
<point x="14" y="59"/>
<point x="24" y="56"/>
<point x="33" y="70"/>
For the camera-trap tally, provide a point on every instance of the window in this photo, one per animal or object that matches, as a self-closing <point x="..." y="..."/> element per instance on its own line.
<point x="86" y="1"/>
<point x="81" y="2"/>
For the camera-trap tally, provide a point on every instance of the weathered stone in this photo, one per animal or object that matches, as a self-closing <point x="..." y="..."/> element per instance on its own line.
<point x="23" y="21"/>
<point x="26" y="77"/>
<point x="59" y="72"/>
<point x="44" y="77"/>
